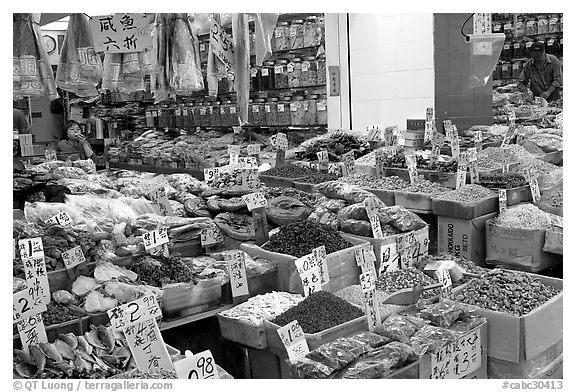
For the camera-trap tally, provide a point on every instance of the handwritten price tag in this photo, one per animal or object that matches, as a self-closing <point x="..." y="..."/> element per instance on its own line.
<point x="147" y="346"/>
<point x="366" y="258"/>
<point x="140" y="310"/>
<point x="473" y="165"/>
<point x="160" y="200"/>
<point x="367" y="281"/>
<point x="222" y="45"/>
<point x="237" y="271"/>
<point x="211" y="236"/>
<point x="279" y="141"/>
<point x="372" y="212"/>
<point x="200" y="366"/>
<point x="293" y="338"/>
<point x="254" y="200"/>
<point x="305" y="264"/>
<point x="390" y="258"/>
<point x="62" y="219"/>
<point x="531" y="178"/>
<point x="462" y="169"/>
<point x="322" y="263"/>
<point x="443" y="276"/>
<point x="455" y="141"/>
<point x="348" y="167"/>
<point x="73" y="257"/>
<point x="253" y="149"/>
<point x="372" y="309"/>
<point x="458" y="359"/>
<point x="478" y="140"/>
<point x="155" y="238"/>
<point x="31" y="247"/>
<point x="211" y="174"/>
<point x="32" y="331"/>
<point x="429" y="125"/>
<point x="233" y="150"/>
<point x="559" y="120"/>
<point x="411" y="164"/>
<point x="27" y="303"/>
<point x="502" y="199"/>
<point x="380" y="164"/>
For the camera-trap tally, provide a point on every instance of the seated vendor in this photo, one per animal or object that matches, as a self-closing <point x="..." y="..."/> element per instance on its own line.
<point x="74" y="142"/>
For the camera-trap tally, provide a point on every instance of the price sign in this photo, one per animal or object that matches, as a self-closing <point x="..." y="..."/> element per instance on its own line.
<point x="155" y="238"/>
<point x="305" y="264"/>
<point x="249" y="178"/>
<point x="116" y="33"/>
<point x="233" y="150"/>
<point x="27" y="303"/>
<point x="222" y="44"/>
<point x="374" y="134"/>
<point x="50" y="155"/>
<point x="247" y="163"/>
<point x="506" y="168"/>
<point x="254" y="200"/>
<point x="559" y="120"/>
<point x="462" y="168"/>
<point x="237" y="272"/>
<point x="372" y="309"/>
<point x="429" y="125"/>
<point x="323" y="159"/>
<point x="348" y="166"/>
<point x="455" y="142"/>
<point x="234" y="159"/>
<point x="147" y="346"/>
<point x="437" y="143"/>
<point x="253" y="149"/>
<point x="322" y="263"/>
<point x="279" y="141"/>
<point x="200" y="366"/>
<point x="31" y="247"/>
<point x="311" y="282"/>
<point x="160" y="201"/>
<point x="447" y="128"/>
<point x="399" y="136"/>
<point x="411" y="164"/>
<point x="478" y="140"/>
<point x="32" y="331"/>
<point x="502" y="200"/>
<point x="211" y="174"/>
<point x="142" y="309"/>
<point x="73" y="257"/>
<point x="380" y="164"/>
<point x="390" y="258"/>
<point x="334" y="168"/>
<point x="532" y="180"/>
<point x="367" y="281"/>
<point x="37" y="277"/>
<point x="160" y="250"/>
<point x="458" y="359"/>
<point x="512" y="117"/>
<point x="61" y="218"/>
<point x="372" y="211"/>
<point x="366" y="259"/>
<point x="473" y="165"/>
<point x="443" y="276"/>
<point x="294" y="340"/>
<point x="211" y="236"/>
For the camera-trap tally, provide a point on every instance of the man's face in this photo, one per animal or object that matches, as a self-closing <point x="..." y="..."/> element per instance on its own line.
<point x="537" y="55"/>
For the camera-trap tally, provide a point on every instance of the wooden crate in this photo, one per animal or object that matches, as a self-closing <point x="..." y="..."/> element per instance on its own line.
<point x="242" y="332"/>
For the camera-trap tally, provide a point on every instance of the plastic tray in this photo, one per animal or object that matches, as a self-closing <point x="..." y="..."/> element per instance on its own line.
<point x="463" y="210"/>
<point x="314" y="340"/>
<point x="242" y="332"/>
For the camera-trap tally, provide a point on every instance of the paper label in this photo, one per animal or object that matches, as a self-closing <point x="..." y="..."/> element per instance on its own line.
<point x="222" y="44"/>
<point x="232" y="109"/>
<point x="36" y="277"/>
<point x="200" y="366"/>
<point x="367" y="281"/>
<point x="31" y="247"/>
<point x="160" y="250"/>
<point x="142" y="309"/>
<point x="32" y="331"/>
<point x="322" y="156"/>
<point x="372" y="309"/>
<point x="147" y="346"/>
<point x="155" y="238"/>
<point x="118" y="33"/>
<point x="478" y="140"/>
<point x="237" y="272"/>
<point x="532" y="179"/>
<point x="278" y="69"/>
<point x="380" y="162"/>
<point x="159" y="199"/>
<point x="458" y="359"/>
<point x="429" y="125"/>
<point x="27" y="303"/>
<point x="462" y="168"/>
<point x="372" y="211"/>
<point x="255" y="109"/>
<point x="254" y="200"/>
<point x="443" y="276"/>
<point x="264" y="71"/>
<point x="61" y="218"/>
<point x="73" y="257"/>
<point x="390" y="258"/>
<point x="334" y="168"/>
<point x="280" y="108"/>
<point x="279" y="141"/>
<point x="233" y="150"/>
<point x="502" y="199"/>
<point x="455" y="142"/>
<point x="411" y="164"/>
<point x="366" y="259"/>
<point x="412" y="247"/>
<point x="210" y="236"/>
<point x="306" y="264"/>
<point x="294" y="341"/>
<point x="211" y="174"/>
<point x="322" y="263"/>
<point x="348" y="167"/>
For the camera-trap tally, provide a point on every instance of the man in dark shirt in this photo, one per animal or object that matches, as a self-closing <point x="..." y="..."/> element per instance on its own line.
<point x="542" y="73"/>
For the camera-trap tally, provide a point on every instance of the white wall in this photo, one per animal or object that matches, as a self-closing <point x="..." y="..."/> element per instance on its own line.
<point x="391" y="68"/>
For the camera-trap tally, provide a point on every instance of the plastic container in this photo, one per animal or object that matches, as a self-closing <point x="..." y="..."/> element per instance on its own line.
<point x="297" y="111"/>
<point x="312" y="32"/>
<point x="506" y="70"/>
<point x="281" y="74"/>
<point x="519" y="49"/>
<point x="281" y="36"/>
<point x="309" y="71"/>
<point x="321" y="70"/>
<point x="271" y="110"/>
<point x="508" y="50"/>
<point x="310" y="108"/>
<point x="296" y="34"/>
<point x="283" y="108"/>
<point x="543" y="25"/>
<point x="267" y="76"/>
<point x="322" y="110"/>
<point x="295" y="73"/>
<point x="531" y="26"/>
<point x="259" y="112"/>
<point x="255" y="79"/>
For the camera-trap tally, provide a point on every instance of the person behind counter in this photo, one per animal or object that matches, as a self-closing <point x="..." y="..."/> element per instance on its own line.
<point x="74" y="142"/>
<point x="542" y="73"/>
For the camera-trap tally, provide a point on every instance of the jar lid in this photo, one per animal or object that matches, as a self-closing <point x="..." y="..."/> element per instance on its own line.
<point x="283" y="24"/>
<point x="310" y="58"/>
<point x="311" y="17"/>
<point x="298" y="98"/>
<point x="270" y="63"/>
<point x="296" y="60"/>
<point x="297" y="21"/>
<point x="281" y="62"/>
<point x="313" y="96"/>
<point x="273" y="99"/>
<point x="260" y="100"/>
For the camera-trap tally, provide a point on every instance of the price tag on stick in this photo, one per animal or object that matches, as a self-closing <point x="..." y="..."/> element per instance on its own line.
<point x="155" y="238"/>
<point x="411" y="164"/>
<point x="348" y="168"/>
<point x="37" y="277"/>
<point x="211" y="174"/>
<point x="429" y="125"/>
<point x="443" y="276"/>
<point x="390" y="258"/>
<point x="322" y="263"/>
<point x="62" y="219"/>
<point x="502" y="200"/>
<point x="147" y="346"/>
<point x="211" y="236"/>
<point x="73" y="257"/>
<point x="32" y="331"/>
<point x="253" y="149"/>
<point x="237" y="272"/>
<point x="200" y="366"/>
<point x="531" y="178"/>
<point x="294" y="340"/>
<point x="129" y="314"/>
<point x="254" y="200"/>
<point x="27" y="303"/>
<point x="372" y="309"/>
<point x="31" y="247"/>
<point x="380" y="164"/>
<point x="373" y="216"/>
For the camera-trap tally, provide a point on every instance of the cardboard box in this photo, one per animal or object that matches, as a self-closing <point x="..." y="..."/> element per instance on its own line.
<point x="520" y="339"/>
<point x="554" y="241"/>
<point x="518" y="248"/>
<point x="528" y="369"/>
<point x="464" y="238"/>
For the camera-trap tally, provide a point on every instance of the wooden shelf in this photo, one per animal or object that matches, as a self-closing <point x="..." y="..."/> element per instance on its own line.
<point x="164" y="325"/>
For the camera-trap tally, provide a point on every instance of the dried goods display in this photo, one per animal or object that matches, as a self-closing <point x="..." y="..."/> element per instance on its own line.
<point x="554" y="198"/>
<point x="319" y="311"/>
<point x="427" y="187"/>
<point x="468" y="193"/>
<point x="502" y="180"/>
<point x="495" y="157"/>
<point x="405" y="278"/>
<point x="523" y="216"/>
<point x="398" y="160"/>
<point x="391" y="183"/>
<point x="505" y="291"/>
<point x="289" y="171"/>
<point x="310" y="200"/>
<point x="355" y="296"/>
<point x="319" y="178"/>
<point x="263" y="307"/>
<point x="337" y="144"/>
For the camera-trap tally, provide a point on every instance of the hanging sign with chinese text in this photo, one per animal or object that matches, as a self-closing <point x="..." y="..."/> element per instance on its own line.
<point x="121" y="33"/>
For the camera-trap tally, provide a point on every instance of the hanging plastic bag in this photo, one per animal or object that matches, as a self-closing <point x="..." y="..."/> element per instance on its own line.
<point x="242" y="64"/>
<point x="264" y="25"/>
<point x="32" y="75"/>
<point x="185" y="72"/>
<point x="125" y="72"/>
<point x="158" y="59"/>
<point x="80" y="67"/>
<point x="484" y="53"/>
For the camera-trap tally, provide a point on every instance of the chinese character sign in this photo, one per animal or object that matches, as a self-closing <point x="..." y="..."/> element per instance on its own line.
<point x="133" y="312"/>
<point x="121" y="33"/>
<point x="37" y="277"/>
<point x="237" y="272"/>
<point x="32" y="331"/>
<point x="458" y="359"/>
<point x="147" y="346"/>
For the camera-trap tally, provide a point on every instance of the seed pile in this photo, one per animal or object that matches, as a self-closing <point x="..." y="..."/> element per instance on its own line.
<point x="159" y="271"/>
<point x="553" y="199"/>
<point x="468" y="193"/>
<point x="506" y="291"/>
<point x="319" y="311"/>
<point x="405" y="279"/>
<point x="365" y="180"/>
<point x="523" y="216"/>
<point x="150" y="374"/>
<point x="502" y="180"/>
<point x="299" y="238"/>
<point x="495" y="157"/>
<point x="56" y="314"/>
<point x="427" y="187"/>
<point x="540" y="167"/>
<point x="309" y="199"/>
<point x="319" y="178"/>
<point x="289" y="170"/>
<point x="355" y="296"/>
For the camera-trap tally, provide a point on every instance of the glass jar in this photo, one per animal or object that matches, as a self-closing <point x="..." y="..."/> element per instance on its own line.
<point x="508" y="29"/>
<point x="281" y="74"/>
<point x="507" y="52"/>
<point x="271" y="110"/>
<point x="543" y="24"/>
<point x="309" y="71"/>
<point x="519" y="49"/>
<point x="281" y="37"/>
<point x="250" y="112"/>
<point x="225" y="113"/>
<point x="497" y="73"/>
<point x="552" y="46"/>
<point x="187" y="115"/>
<point x="311" y="33"/>
<point x="517" y="67"/>
<point x="267" y="76"/>
<point x="554" y="23"/>
<point x="506" y="70"/>
<point x="322" y="110"/>
<point x="234" y="120"/>
<point x="283" y="108"/>
<point x="204" y="114"/>
<point x="297" y="110"/>
<point x="259" y="112"/>
<point x="255" y="79"/>
<point x="497" y="27"/>
<point x="531" y="26"/>
<point x="310" y="106"/>
<point x="296" y="34"/>
<point x="295" y="73"/>
<point x="321" y="70"/>
<point x="216" y="116"/>
<point x="520" y="27"/>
